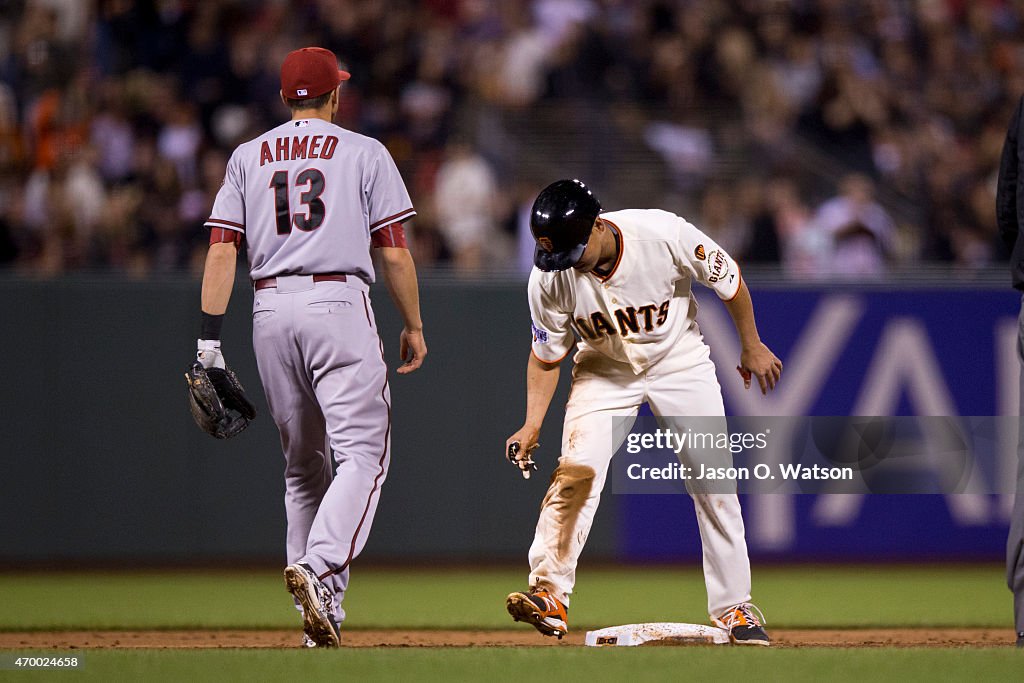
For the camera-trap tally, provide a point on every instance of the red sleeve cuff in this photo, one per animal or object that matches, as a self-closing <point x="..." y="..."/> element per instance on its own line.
<point x="389" y="236"/>
<point x="218" y="235"/>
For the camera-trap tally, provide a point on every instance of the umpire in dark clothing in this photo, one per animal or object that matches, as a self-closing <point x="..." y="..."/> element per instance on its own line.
<point x="1010" y="216"/>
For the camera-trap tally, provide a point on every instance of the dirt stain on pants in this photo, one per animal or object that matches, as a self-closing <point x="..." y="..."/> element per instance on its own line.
<point x="568" y="493"/>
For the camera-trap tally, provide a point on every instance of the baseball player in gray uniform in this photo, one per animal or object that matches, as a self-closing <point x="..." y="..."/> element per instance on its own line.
<point x="310" y="200"/>
<point x="619" y="282"/>
<point x="1009" y="215"/>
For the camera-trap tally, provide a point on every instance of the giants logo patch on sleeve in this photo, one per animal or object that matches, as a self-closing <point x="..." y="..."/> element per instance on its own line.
<point x="717" y="265"/>
<point x="539" y="336"/>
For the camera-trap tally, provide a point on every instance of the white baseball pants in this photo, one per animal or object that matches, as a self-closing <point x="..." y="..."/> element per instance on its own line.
<point x="683" y="384"/>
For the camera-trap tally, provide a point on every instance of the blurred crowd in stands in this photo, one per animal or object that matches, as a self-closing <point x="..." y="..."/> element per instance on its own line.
<point x="829" y="136"/>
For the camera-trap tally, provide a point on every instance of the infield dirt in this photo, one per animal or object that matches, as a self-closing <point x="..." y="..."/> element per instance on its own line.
<point x="205" y="639"/>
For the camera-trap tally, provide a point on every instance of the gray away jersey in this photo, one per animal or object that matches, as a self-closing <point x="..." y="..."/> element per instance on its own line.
<point x="306" y="196"/>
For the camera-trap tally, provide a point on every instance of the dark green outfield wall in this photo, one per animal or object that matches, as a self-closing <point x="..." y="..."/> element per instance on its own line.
<point x="102" y="460"/>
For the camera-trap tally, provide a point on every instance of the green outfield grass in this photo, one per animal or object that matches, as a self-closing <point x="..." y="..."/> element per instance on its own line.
<point x="791" y="597"/>
<point x="809" y="597"/>
<point x="544" y="664"/>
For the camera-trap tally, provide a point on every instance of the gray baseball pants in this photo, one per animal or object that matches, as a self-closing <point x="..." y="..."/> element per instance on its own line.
<point x="320" y="360"/>
<point x="1015" y="541"/>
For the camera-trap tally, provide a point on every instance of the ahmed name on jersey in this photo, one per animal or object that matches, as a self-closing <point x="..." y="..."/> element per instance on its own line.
<point x="295" y="147"/>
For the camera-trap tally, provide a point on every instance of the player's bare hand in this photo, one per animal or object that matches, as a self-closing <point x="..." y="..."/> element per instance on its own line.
<point x="758" y="361"/>
<point x="413" y="349"/>
<point x="519" y="450"/>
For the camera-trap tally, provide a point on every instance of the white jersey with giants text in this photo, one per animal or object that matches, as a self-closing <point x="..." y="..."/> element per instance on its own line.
<point x="643" y="309"/>
<point x="306" y="195"/>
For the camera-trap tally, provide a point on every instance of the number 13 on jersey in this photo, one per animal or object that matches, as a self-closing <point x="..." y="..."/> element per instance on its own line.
<point x="313" y="217"/>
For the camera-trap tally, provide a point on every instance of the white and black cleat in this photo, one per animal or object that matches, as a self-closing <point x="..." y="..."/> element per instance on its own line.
<point x="317" y="604"/>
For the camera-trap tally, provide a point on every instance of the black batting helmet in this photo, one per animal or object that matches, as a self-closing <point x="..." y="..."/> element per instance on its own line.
<point x="561" y="220"/>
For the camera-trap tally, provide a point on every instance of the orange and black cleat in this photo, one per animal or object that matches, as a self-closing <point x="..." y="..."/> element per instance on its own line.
<point x="542" y="609"/>
<point x="743" y="626"/>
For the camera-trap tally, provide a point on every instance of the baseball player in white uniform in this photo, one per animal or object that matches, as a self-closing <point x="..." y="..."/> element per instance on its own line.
<point x="619" y="283"/>
<point x="310" y="200"/>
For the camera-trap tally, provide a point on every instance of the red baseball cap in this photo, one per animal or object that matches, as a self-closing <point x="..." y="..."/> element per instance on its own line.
<point x="310" y="72"/>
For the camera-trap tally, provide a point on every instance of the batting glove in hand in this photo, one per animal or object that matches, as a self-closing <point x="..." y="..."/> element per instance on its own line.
<point x="208" y="354"/>
<point x="524" y="461"/>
